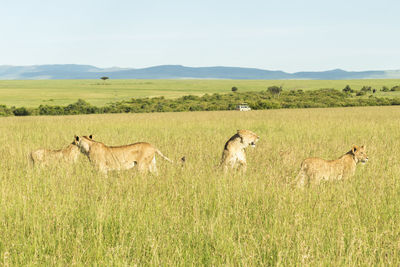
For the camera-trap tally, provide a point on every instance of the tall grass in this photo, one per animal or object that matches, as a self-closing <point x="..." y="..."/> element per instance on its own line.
<point x="73" y="215"/>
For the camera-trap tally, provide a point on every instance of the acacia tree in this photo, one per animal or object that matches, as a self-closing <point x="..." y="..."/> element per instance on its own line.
<point x="275" y="90"/>
<point x="104" y="78"/>
<point x="347" y="89"/>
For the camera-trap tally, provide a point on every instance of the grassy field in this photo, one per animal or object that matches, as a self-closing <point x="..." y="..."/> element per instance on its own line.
<point x="72" y="215"/>
<point x="61" y="92"/>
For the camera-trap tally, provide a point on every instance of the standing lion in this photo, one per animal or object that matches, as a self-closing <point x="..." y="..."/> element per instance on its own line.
<point x="315" y="170"/>
<point x="107" y="158"/>
<point x="234" y="150"/>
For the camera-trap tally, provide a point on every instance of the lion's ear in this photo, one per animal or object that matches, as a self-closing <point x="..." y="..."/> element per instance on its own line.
<point x="354" y="149"/>
<point x="91" y="136"/>
<point x="76" y="138"/>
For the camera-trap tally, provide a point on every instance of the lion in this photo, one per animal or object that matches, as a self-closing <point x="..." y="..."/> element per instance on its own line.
<point x="315" y="170"/>
<point x="107" y="158"/>
<point x="234" y="150"/>
<point x="45" y="157"/>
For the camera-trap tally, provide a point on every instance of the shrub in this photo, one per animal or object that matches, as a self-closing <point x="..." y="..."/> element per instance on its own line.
<point x="80" y="107"/>
<point x="395" y="88"/>
<point x="366" y="89"/>
<point x="257" y="100"/>
<point x="234" y="89"/>
<point x="21" y="112"/>
<point x="4" y="111"/>
<point x="360" y="93"/>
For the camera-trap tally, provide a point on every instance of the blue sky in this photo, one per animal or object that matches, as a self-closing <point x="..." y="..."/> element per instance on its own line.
<point x="277" y="35"/>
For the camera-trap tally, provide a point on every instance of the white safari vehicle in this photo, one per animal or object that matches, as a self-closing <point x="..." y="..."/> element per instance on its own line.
<point x="243" y="107"/>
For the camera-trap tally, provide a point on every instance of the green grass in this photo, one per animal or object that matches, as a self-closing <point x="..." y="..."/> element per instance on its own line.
<point x="61" y="92"/>
<point x="72" y="215"/>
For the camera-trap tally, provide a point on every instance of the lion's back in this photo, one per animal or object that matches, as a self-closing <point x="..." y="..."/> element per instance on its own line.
<point x="316" y="166"/>
<point x="45" y="155"/>
<point x="119" y="156"/>
<point x="134" y="150"/>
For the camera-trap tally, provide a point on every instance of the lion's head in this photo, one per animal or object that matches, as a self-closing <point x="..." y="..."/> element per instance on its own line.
<point x="360" y="153"/>
<point x="83" y="142"/>
<point x="248" y="138"/>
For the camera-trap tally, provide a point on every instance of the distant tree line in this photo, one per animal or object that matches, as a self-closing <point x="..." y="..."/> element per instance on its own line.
<point x="366" y="89"/>
<point x="256" y="100"/>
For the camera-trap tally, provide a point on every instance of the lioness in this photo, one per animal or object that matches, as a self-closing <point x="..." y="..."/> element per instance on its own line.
<point x="46" y="156"/>
<point x="315" y="170"/>
<point x="107" y="158"/>
<point x="234" y="149"/>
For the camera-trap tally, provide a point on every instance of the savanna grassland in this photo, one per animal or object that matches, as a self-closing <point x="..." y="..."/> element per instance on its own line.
<point x="73" y="215"/>
<point x="32" y="93"/>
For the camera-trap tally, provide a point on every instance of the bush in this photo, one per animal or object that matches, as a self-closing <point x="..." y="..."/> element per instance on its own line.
<point x="257" y="100"/>
<point x="234" y="89"/>
<point x="366" y="89"/>
<point x="80" y="107"/>
<point x="360" y="93"/>
<point x="21" y="112"/>
<point x="395" y="88"/>
<point x="4" y="111"/>
<point x="385" y="89"/>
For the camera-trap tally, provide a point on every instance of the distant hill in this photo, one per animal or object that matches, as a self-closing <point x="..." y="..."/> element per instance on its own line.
<point x="72" y="71"/>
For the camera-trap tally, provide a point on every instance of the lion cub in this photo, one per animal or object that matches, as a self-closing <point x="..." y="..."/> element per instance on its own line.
<point x="46" y="156"/>
<point x="315" y="170"/>
<point x="234" y="150"/>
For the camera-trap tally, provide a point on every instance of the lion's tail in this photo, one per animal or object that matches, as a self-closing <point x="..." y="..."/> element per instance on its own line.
<point x="183" y="159"/>
<point x="164" y="157"/>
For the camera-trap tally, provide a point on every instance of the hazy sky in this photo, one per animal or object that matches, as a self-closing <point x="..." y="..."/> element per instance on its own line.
<point x="277" y="35"/>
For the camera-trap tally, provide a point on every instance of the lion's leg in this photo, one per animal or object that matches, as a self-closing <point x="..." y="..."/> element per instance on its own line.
<point x="241" y="157"/>
<point x="100" y="167"/>
<point x="143" y="167"/>
<point x="228" y="165"/>
<point x="243" y="165"/>
<point x="232" y="163"/>
<point x="225" y="167"/>
<point x="301" y="179"/>
<point x="145" y="164"/>
<point x="225" y="163"/>
<point x="103" y="171"/>
<point x="153" y="166"/>
<point x="316" y="178"/>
